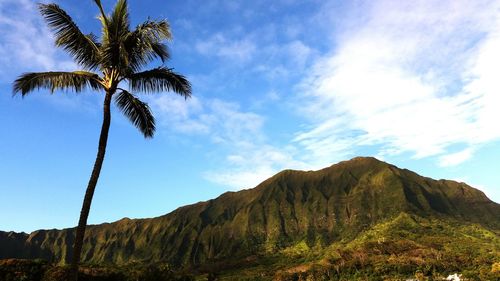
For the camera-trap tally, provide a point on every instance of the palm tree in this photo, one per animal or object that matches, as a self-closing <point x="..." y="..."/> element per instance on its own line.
<point x="119" y="55"/>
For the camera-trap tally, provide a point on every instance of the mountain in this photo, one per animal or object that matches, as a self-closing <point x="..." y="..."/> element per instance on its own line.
<point x="346" y="206"/>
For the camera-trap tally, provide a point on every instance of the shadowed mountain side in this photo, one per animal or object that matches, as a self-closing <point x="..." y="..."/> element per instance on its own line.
<point x="320" y="207"/>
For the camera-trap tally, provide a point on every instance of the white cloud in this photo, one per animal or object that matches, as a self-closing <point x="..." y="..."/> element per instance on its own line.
<point x="246" y="156"/>
<point x="456" y="158"/>
<point x="270" y="97"/>
<point x="412" y="77"/>
<point x="281" y="60"/>
<point x="259" y="50"/>
<point x="220" y="45"/>
<point x="177" y="112"/>
<point x="26" y="44"/>
<point x="223" y="121"/>
<point x="299" y="53"/>
<point x="252" y="163"/>
<point x="273" y="96"/>
<point x="407" y="77"/>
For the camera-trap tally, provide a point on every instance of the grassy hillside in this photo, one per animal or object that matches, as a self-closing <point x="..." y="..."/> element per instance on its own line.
<point x="396" y="249"/>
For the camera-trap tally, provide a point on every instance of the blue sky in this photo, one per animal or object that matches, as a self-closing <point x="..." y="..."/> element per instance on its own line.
<point x="282" y="84"/>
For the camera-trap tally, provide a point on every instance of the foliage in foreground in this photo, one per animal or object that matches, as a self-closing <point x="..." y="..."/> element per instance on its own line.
<point x="25" y="270"/>
<point x="404" y="247"/>
<point x="38" y="270"/>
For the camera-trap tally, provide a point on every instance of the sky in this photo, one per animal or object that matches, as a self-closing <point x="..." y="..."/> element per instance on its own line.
<point x="284" y="84"/>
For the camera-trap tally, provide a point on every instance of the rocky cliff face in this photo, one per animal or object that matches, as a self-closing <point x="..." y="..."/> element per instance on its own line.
<point x="322" y="207"/>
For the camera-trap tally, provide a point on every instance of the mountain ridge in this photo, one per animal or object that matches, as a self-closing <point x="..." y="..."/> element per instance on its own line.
<point x="331" y="205"/>
<point x="245" y="189"/>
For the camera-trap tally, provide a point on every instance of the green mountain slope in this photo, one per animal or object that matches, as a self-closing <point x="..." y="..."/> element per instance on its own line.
<point x="316" y="214"/>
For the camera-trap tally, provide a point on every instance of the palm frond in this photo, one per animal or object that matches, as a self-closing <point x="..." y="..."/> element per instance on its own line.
<point x="119" y="21"/>
<point x="159" y="30"/>
<point x="159" y="80"/>
<point x="102" y="17"/>
<point x="144" y="44"/>
<point x="76" y="81"/>
<point x="141" y="51"/>
<point x="137" y="112"/>
<point x="161" y="51"/>
<point x="68" y="36"/>
<point x="92" y="37"/>
<point x="114" y="54"/>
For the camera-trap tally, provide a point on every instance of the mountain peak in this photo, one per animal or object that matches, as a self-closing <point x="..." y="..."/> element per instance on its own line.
<point x="364" y="159"/>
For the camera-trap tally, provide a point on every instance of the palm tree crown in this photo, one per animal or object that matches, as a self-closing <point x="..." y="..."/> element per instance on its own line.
<point x="120" y="54"/>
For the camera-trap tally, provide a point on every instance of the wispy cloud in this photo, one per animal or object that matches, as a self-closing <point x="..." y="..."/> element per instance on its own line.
<point x="223" y="121"/>
<point x="259" y="51"/>
<point x="456" y="158"/>
<point x="25" y="42"/>
<point x="250" y="163"/>
<point x="405" y="77"/>
<point x="177" y="113"/>
<point x="284" y="60"/>
<point x="27" y="45"/>
<point x="219" y="45"/>
<point x="412" y="77"/>
<point x="245" y="154"/>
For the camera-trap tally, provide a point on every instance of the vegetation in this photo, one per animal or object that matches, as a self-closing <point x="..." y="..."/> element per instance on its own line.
<point x="431" y="251"/>
<point x="25" y="270"/>
<point x="120" y="55"/>
<point x="405" y="247"/>
<point x="358" y="220"/>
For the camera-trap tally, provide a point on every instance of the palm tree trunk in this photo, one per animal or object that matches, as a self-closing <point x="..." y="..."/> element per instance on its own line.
<point x="84" y="214"/>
